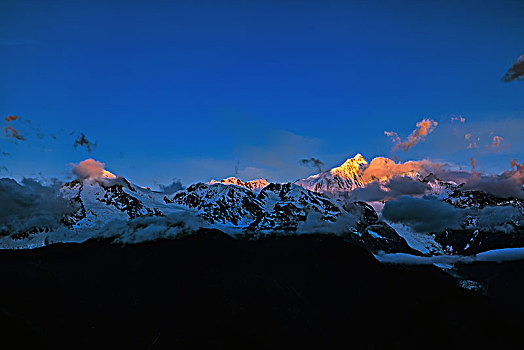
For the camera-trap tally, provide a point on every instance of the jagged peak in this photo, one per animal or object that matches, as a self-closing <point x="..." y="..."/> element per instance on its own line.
<point x="253" y="185"/>
<point x="351" y="167"/>
<point x="229" y="181"/>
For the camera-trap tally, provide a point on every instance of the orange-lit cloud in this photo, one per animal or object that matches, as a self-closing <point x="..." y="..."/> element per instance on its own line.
<point x="91" y="169"/>
<point x="458" y="118"/>
<point x="10" y="118"/>
<point x="473" y="141"/>
<point x="496" y="141"/>
<point x="12" y="132"/>
<point x="474" y="172"/>
<point x="393" y="135"/>
<point x="382" y="169"/>
<point x="424" y="128"/>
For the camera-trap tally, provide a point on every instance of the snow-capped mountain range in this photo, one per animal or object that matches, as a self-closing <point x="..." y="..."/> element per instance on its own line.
<point x="111" y="206"/>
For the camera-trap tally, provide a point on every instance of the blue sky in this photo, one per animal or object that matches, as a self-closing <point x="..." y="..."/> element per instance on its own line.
<point x="191" y="89"/>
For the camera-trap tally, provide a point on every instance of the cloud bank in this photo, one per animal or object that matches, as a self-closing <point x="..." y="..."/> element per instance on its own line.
<point x="496" y="255"/>
<point x="392" y="188"/>
<point x="505" y="185"/>
<point x="30" y="204"/>
<point x="423" y="214"/>
<point x="429" y="214"/>
<point x="382" y="168"/>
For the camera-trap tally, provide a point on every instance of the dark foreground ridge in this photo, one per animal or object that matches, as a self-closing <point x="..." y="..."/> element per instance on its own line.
<point x="213" y="291"/>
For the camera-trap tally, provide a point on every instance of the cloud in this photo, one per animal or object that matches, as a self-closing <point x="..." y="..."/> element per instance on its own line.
<point x="458" y="118"/>
<point x="424" y="128"/>
<point x="82" y="141"/>
<point x="91" y="169"/>
<point x="496" y="255"/>
<point x="30" y="204"/>
<point x="150" y="228"/>
<point x="498" y="218"/>
<point x="382" y="168"/>
<point x="174" y="186"/>
<point x="496" y="141"/>
<point x="10" y="130"/>
<point x="473" y="141"/>
<point x="312" y="163"/>
<point x="458" y="140"/>
<point x="408" y="259"/>
<point x="429" y="214"/>
<point x="394" y="136"/>
<point x="423" y="214"/>
<point x="516" y="71"/>
<point x="505" y="185"/>
<point x="393" y="188"/>
<point x="10" y="118"/>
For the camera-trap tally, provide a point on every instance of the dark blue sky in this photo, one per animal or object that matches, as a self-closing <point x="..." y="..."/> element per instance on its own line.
<point x="189" y="89"/>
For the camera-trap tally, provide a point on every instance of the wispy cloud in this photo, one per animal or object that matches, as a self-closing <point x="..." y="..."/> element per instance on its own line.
<point x="82" y="141"/>
<point x="312" y="163"/>
<point x="11" y="131"/>
<point x="516" y="71"/>
<point x="423" y="129"/>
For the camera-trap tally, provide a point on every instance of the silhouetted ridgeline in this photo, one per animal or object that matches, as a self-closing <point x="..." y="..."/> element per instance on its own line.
<point x="214" y="291"/>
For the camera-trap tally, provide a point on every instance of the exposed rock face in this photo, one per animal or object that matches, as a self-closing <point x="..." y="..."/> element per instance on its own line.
<point x="287" y="205"/>
<point x="372" y="233"/>
<point x="106" y="199"/>
<point x="221" y="204"/>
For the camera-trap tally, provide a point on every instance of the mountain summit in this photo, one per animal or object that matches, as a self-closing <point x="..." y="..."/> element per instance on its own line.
<point x="350" y="169"/>
<point x="346" y="177"/>
<point x="253" y="185"/>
